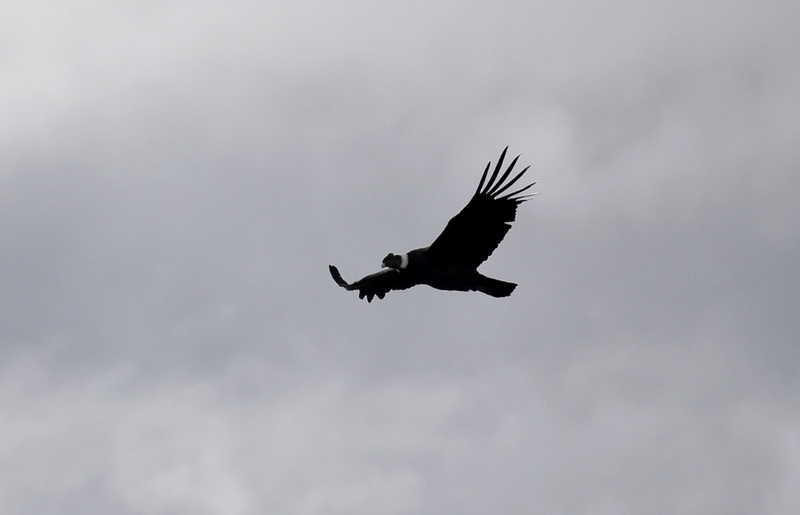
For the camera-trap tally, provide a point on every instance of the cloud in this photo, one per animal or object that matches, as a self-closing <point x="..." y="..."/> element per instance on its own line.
<point x="176" y="178"/>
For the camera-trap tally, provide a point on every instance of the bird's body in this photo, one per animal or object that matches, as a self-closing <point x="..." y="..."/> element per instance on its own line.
<point x="451" y="261"/>
<point x="422" y="269"/>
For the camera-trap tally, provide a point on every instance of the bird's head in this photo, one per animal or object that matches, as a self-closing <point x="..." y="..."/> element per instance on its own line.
<point x="398" y="262"/>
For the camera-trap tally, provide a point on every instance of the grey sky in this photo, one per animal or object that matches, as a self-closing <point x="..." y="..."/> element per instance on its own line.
<point x="175" y="178"/>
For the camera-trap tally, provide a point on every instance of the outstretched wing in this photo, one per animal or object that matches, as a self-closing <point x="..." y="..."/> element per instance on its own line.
<point x="472" y="235"/>
<point x="374" y="285"/>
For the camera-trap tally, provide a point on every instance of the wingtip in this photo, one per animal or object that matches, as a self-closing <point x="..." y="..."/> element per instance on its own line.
<point x="337" y="276"/>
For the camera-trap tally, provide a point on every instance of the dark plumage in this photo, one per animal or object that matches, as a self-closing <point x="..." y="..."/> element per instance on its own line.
<point x="452" y="260"/>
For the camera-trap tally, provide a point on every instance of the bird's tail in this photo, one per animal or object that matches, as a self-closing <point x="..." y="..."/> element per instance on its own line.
<point x="495" y="287"/>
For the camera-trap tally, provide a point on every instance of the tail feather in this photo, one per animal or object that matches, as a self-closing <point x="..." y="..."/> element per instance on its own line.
<point x="495" y="287"/>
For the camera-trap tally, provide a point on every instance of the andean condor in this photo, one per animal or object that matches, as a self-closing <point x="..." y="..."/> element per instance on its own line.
<point x="451" y="261"/>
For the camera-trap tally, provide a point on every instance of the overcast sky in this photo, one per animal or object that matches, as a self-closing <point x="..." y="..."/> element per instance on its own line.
<point x="175" y="178"/>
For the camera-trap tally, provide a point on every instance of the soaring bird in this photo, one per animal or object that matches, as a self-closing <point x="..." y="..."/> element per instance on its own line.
<point x="451" y="261"/>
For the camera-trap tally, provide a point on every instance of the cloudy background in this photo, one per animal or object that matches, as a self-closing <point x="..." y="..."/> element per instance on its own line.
<point x="175" y="178"/>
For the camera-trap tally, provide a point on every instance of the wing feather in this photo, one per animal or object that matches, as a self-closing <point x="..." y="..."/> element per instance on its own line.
<point x="496" y="169"/>
<point x="523" y="198"/>
<point x="493" y="191"/>
<point x="512" y="181"/>
<point x="483" y="177"/>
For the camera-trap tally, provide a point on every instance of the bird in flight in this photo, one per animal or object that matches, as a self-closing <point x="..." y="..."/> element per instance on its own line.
<point x="451" y="261"/>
